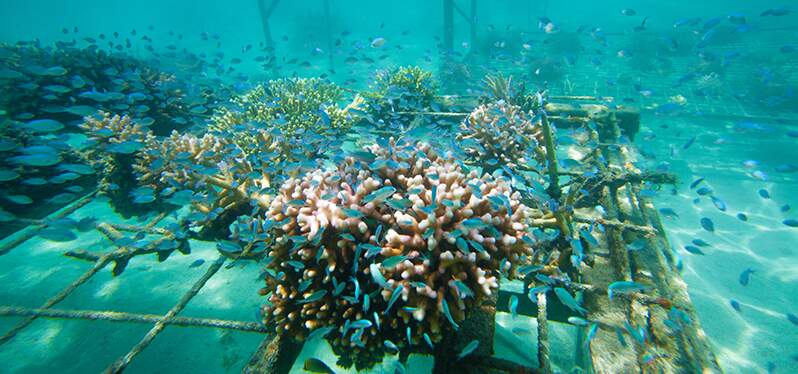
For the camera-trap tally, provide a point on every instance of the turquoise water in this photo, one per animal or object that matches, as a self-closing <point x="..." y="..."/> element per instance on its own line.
<point x="713" y="82"/>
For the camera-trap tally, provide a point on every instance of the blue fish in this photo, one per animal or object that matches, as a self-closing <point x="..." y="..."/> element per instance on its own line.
<point x="448" y="314"/>
<point x="707" y="224"/>
<point x="377" y="276"/>
<point x="569" y="301"/>
<point x="513" y="306"/>
<point x="694" y="250"/>
<point x="394" y="296"/>
<point x="745" y="276"/>
<point x="196" y="263"/>
<point x="624" y="287"/>
<point x="471" y="347"/>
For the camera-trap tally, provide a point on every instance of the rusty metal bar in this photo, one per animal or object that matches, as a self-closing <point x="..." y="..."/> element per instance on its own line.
<point x="124" y="361"/>
<point x="104" y="315"/>
<point x="40" y="224"/>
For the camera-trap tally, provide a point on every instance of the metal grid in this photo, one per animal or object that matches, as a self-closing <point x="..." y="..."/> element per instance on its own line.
<point x="120" y="255"/>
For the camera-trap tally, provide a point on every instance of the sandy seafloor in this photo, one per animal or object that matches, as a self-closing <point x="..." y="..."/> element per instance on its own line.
<point x="744" y="341"/>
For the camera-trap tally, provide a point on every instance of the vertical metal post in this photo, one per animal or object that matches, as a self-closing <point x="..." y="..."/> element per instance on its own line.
<point x="473" y="40"/>
<point x="264" y="20"/>
<point x="543" y="335"/>
<point x="328" y="20"/>
<point x="265" y="14"/>
<point x="448" y="26"/>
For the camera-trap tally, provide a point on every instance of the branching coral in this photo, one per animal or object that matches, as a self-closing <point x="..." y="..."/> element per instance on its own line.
<point x="289" y="104"/>
<point x="502" y="88"/>
<point x="500" y="134"/>
<point x="402" y="89"/>
<point x="222" y="181"/>
<point x="116" y="140"/>
<point x="396" y="245"/>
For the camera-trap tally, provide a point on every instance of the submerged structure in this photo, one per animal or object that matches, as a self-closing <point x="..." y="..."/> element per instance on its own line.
<point x="399" y="246"/>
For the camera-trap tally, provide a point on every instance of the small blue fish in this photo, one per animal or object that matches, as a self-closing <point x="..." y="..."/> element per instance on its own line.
<point x="409" y="334"/>
<point x="394" y="296"/>
<point x="624" y="287"/>
<point x="745" y="276"/>
<point x="513" y="306"/>
<point x="471" y="347"/>
<point x="376" y="274"/>
<point x="591" y="333"/>
<point x="378" y="195"/>
<point x="763" y="193"/>
<point x="720" y="204"/>
<point x="790" y="222"/>
<point x="668" y="212"/>
<point x="57" y="234"/>
<point x="320" y="332"/>
<point x="619" y="334"/>
<point x="429" y="341"/>
<point x="694" y="250"/>
<point x="391" y="347"/>
<point x="360" y="324"/>
<point x="637" y="334"/>
<point x="298" y="265"/>
<point x="578" y="321"/>
<point x="742" y="217"/>
<point x="393" y="261"/>
<point x="448" y="314"/>
<point x="316" y="296"/>
<point x="735" y="305"/>
<point x="707" y="224"/>
<point x="357" y="288"/>
<point x="696" y="183"/>
<point x="463" y="290"/>
<point x="196" y="263"/>
<point x="701" y="243"/>
<point x="569" y="301"/>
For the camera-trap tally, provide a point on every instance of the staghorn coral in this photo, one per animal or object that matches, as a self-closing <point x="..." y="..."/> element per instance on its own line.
<point x="224" y="183"/>
<point x="502" y="88"/>
<point x="116" y="139"/>
<point x="289" y="104"/>
<point x="409" y="82"/>
<point x="500" y="134"/>
<point x="402" y="89"/>
<point x="438" y="235"/>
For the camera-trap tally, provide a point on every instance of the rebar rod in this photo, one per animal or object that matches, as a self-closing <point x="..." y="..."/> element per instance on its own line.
<point x="543" y="335"/>
<point x="103" y="315"/>
<point x="57" y="298"/>
<point x="124" y="361"/>
<point x="69" y="209"/>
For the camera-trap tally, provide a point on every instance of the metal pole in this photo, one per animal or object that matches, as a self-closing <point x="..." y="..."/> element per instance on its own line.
<point x="328" y="19"/>
<point x="448" y="25"/>
<point x="265" y="12"/>
<point x="473" y="23"/>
